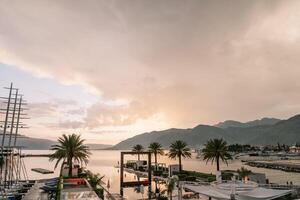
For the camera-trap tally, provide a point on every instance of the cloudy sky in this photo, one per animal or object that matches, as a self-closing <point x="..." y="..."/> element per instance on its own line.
<point x="113" y="69"/>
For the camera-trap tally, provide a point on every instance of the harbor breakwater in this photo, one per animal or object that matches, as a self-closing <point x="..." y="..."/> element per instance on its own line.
<point x="287" y="167"/>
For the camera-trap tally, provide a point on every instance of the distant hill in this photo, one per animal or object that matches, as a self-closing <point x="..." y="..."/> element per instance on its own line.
<point x="31" y="143"/>
<point x="45" y="144"/>
<point x="259" y="122"/>
<point x="266" y="131"/>
<point x="284" y="132"/>
<point x="99" y="146"/>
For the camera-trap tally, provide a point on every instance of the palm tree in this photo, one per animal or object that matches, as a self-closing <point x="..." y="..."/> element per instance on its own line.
<point x="243" y="172"/>
<point x="94" y="179"/>
<point x="216" y="149"/>
<point x="1" y="161"/>
<point x="170" y="186"/>
<point x="138" y="149"/>
<point x="70" y="148"/>
<point x="156" y="149"/>
<point x="179" y="149"/>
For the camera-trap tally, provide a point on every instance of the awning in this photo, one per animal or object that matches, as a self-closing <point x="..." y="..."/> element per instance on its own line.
<point x="263" y="193"/>
<point x="209" y="191"/>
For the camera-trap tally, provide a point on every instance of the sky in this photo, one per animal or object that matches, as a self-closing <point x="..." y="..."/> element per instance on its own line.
<point x="109" y="70"/>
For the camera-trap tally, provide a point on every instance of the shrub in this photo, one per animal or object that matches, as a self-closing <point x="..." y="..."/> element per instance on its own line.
<point x="162" y="198"/>
<point x="100" y="192"/>
<point x="227" y="175"/>
<point x="211" y="179"/>
<point x="182" y="177"/>
<point x="164" y="175"/>
<point x="191" y="178"/>
<point x="157" y="173"/>
<point x="141" y="169"/>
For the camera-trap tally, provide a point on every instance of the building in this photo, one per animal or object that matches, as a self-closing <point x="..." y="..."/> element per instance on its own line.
<point x="258" y="178"/>
<point x="294" y="149"/>
<point x="137" y="164"/>
<point x="173" y="169"/>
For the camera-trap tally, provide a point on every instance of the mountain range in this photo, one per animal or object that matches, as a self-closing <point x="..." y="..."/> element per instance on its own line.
<point x="258" y="122"/>
<point x="45" y="144"/>
<point x="257" y="132"/>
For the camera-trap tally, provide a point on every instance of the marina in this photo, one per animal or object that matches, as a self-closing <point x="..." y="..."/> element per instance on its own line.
<point x="149" y="100"/>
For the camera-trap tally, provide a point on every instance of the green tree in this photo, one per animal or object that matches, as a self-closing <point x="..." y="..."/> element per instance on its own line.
<point x="138" y="149"/>
<point x="179" y="149"/>
<point x="70" y="148"/>
<point x="216" y="149"/>
<point x="156" y="149"/>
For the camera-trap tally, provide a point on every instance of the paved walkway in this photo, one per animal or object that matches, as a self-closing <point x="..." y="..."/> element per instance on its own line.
<point x="36" y="193"/>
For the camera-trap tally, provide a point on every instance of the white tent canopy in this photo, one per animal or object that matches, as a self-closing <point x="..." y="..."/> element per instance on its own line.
<point x="209" y="191"/>
<point x="255" y="194"/>
<point x="263" y="193"/>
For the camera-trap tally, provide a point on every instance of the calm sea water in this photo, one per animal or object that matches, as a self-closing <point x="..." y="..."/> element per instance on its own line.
<point x="103" y="162"/>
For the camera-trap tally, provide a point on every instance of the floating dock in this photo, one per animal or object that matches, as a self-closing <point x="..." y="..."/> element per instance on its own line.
<point x="42" y="171"/>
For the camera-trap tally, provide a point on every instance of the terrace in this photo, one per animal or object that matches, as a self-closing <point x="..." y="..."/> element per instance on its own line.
<point x="77" y="188"/>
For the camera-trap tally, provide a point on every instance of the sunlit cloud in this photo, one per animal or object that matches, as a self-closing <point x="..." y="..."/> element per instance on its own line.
<point x="188" y="62"/>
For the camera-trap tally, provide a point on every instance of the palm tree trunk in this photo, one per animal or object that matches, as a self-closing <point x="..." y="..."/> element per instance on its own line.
<point x="62" y="167"/>
<point x="180" y="168"/>
<point x="218" y="163"/>
<point x="138" y="156"/>
<point x="156" y="188"/>
<point x="70" y="167"/>
<point x="155" y="157"/>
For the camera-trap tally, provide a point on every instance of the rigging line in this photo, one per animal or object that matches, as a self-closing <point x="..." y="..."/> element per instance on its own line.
<point x="18" y="121"/>
<point x="5" y="127"/>
<point x="25" y="169"/>
<point x="8" y="173"/>
<point x="19" y="164"/>
<point x="13" y="120"/>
